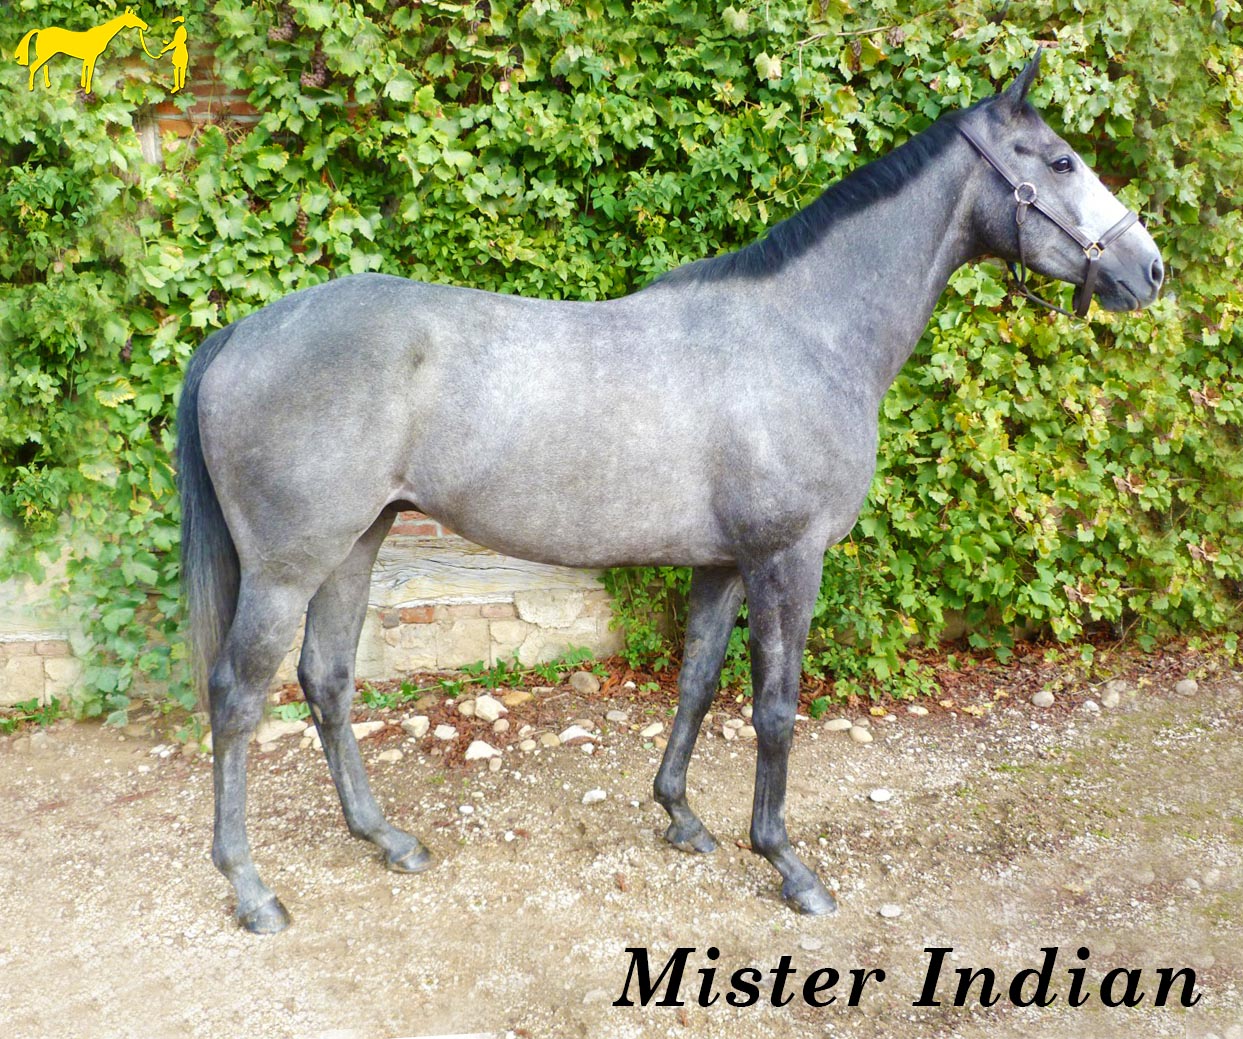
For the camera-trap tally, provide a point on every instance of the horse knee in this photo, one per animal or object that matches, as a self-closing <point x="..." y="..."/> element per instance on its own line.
<point x="330" y="689"/>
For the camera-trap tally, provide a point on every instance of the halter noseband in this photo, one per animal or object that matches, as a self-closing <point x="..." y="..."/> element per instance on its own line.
<point x="1025" y="197"/>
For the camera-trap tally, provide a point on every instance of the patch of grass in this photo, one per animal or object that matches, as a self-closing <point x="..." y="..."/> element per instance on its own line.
<point x="30" y="712"/>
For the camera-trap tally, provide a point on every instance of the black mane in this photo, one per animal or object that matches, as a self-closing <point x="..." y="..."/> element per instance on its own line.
<point x="793" y="236"/>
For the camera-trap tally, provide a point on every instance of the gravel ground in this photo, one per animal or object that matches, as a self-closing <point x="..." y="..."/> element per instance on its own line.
<point x="1118" y="829"/>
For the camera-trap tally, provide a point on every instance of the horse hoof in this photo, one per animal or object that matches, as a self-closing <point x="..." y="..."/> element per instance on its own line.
<point x="698" y="840"/>
<point x="269" y="918"/>
<point x="416" y="860"/>
<point x="811" y="901"/>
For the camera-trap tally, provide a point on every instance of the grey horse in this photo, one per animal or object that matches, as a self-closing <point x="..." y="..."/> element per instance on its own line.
<point x="723" y="418"/>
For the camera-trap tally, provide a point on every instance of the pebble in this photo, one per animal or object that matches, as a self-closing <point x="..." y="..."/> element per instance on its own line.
<point x="526" y="746"/>
<point x="574" y="732"/>
<point x="838" y="725"/>
<point x="479" y="750"/>
<point x="500" y="725"/>
<point x="586" y="723"/>
<point x="40" y="740"/>
<point x="390" y="756"/>
<point x="1187" y="687"/>
<point x="494" y="765"/>
<point x="655" y="729"/>
<point x="629" y="685"/>
<point x="860" y="734"/>
<point x="466" y="809"/>
<point x="880" y="795"/>
<point x="549" y="739"/>
<point x="466" y="708"/>
<point x="416" y="726"/>
<point x="1044" y="698"/>
<point x="426" y="702"/>
<point x="445" y="732"/>
<point x="810" y="944"/>
<point x="364" y="729"/>
<point x="489" y="708"/>
<point x="918" y="710"/>
<point x="272" y="729"/>
<point x="584" y="683"/>
<point x="747" y="732"/>
<point x="593" y="796"/>
<point x="1110" y="698"/>
<point x="747" y="711"/>
<point x="732" y="723"/>
<point x="1091" y="706"/>
<point x="890" y="911"/>
<point x="729" y="734"/>
<point x="660" y="743"/>
<point x="517" y="698"/>
<point x="266" y="748"/>
<point x="617" y="717"/>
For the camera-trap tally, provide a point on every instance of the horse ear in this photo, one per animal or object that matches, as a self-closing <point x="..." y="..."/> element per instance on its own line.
<point x="1016" y="93"/>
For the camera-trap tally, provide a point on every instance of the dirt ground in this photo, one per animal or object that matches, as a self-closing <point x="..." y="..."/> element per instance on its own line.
<point x="1120" y="831"/>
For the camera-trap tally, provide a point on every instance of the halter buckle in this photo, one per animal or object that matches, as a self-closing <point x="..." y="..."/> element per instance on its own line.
<point x="1019" y="193"/>
<point x="1093" y="251"/>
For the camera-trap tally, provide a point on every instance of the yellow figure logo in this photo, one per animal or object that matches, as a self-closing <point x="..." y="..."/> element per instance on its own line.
<point x="88" y="46"/>
<point x="181" y="56"/>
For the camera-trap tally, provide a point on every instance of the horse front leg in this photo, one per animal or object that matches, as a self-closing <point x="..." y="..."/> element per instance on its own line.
<point x="716" y="594"/>
<point x="781" y="594"/>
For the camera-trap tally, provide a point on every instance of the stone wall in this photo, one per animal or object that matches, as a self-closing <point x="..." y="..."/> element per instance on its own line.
<point x="437" y="602"/>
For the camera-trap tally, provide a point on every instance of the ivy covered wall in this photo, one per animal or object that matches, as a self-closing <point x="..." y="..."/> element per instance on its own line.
<point x="1034" y="471"/>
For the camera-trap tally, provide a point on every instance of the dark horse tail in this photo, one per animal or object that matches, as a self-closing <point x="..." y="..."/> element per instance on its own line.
<point x="209" y="566"/>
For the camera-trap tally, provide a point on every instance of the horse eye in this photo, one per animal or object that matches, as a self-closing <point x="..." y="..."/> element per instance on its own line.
<point x="1062" y="165"/>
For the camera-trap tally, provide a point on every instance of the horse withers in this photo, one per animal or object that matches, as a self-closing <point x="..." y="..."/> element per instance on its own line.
<point x="723" y="418"/>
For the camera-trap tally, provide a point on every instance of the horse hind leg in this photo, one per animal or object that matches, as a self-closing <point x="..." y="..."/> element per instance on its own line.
<point x="715" y="597"/>
<point x="326" y="671"/>
<point x="263" y="627"/>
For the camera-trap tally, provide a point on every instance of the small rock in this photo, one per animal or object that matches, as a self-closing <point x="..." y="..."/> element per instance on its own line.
<point x="549" y="739"/>
<point x="593" y="796"/>
<point x="479" y="751"/>
<point x="880" y="795"/>
<point x="574" y="732"/>
<point x="526" y="746"/>
<point x="489" y="708"/>
<point x="416" y="726"/>
<point x="1110" y="698"/>
<point x="426" y="702"/>
<point x="890" y="911"/>
<point x="860" y="734"/>
<point x="517" y="698"/>
<point x="364" y="729"/>
<point x="1191" y="884"/>
<point x="205" y="743"/>
<point x="1091" y="706"/>
<point x="500" y="725"/>
<point x="466" y="809"/>
<point x="629" y="685"/>
<point x="838" y="725"/>
<point x="445" y="732"/>
<point x="1044" y="698"/>
<point x="617" y="717"/>
<point x="40" y="740"/>
<point x="1117" y="685"/>
<point x="732" y="723"/>
<point x="466" y="708"/>
<point x="918" y="710"/>
<point x="586" y="723"/>
<point x="542" y="690"/>
<point x="494" y="765"/>
<point x="266" y="748"/>
<point x="390" y="756"/>
<point x="584" y="683"/>
<point x="272" y="729"/>
<point x="655" y="729"/>
<point x="729" y="734"/>
<point x="596" y="995"/>
<point x="810" y="944"/>
<point x="746" y="712"/>
<point x="747" y="732"/>
<point x="660" y="743"/>
<point x="136" y="730"/>
<point x="1187" y="687"/>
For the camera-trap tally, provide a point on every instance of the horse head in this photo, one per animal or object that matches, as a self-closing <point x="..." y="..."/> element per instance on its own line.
<point x="1043" y="207"/>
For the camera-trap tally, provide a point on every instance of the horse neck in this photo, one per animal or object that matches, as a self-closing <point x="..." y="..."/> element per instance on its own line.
<point x="114" y="26"/>
<point x="874" y="277"/>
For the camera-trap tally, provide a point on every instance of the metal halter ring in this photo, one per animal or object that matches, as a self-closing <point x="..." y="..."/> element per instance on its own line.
<point x="1018" y="193"/>
<point x="1093" y="251"/>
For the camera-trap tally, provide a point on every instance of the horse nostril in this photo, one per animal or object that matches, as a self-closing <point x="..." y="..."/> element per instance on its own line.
<point x="1156" y="273"/>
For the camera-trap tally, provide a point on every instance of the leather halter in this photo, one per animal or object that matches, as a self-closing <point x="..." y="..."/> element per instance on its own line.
<point x="1025" y="198"/>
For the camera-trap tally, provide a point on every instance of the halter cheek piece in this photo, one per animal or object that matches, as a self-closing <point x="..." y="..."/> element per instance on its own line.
<point x="1025" y="197"/>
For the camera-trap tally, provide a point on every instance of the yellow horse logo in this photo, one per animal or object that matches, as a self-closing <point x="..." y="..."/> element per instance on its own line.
<point x="88" y="46"/>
